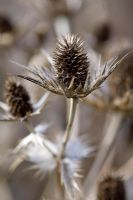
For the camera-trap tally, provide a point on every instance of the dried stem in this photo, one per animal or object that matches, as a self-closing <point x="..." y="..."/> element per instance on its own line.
<point x="72" y="112"/>
<point x="111" y="128"/>
<point x="126" y="169"/>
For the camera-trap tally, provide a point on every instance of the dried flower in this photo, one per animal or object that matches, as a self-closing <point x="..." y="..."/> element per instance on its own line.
<point x="7" y="31"/>
<point x="17" y="97"/>
<point x="18" y="104"/>
<point x="73" y="73"/>
<point x="71" y="64"/>
<point x="121" y="81"/>
<point x="103" y="33"/>
<point x="5" y="25"/>
<point x="44" y="156"/>
<point x="111" y="188"/>
<point x="117" y="93"/>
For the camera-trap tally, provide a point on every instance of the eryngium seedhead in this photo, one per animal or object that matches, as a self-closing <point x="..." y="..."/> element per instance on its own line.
<point x="71" y="63"/>
<point x="103" y="33"/>
<point x="17" y="98"/>
<point x="5" y="25"/>
<point x="121" y="81"/>
<point x="111" y="188"/>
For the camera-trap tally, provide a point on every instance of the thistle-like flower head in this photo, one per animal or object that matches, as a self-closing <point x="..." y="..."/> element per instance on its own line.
<point x="17" y="103"/>
<point x="5" y="25"/>
<point x="74" y="72"/>
<point x="18" y="99"/>
<point x="111" y="188"/>
<point x="121" y="80"/>
<point x="71" y="64"/>
<point x="103" y="33"/>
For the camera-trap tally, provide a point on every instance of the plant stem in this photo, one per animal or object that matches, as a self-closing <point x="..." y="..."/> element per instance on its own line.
<point x="72" y="112"/>
<point x="111" y="129"/>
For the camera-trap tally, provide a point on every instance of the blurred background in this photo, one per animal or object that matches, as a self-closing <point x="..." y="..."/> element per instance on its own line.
<point x="27" y="27"/>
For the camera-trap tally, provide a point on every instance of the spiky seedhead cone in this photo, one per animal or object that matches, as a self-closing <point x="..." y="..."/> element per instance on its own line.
<point x="71" y="64"/>
<point x="17" y="98"/>
<point x="121" y="80"/>
<point x="111" y="188"/>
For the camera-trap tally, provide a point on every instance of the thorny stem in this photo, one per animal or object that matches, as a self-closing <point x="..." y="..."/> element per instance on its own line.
<point x="111" y="128"/>
<point x="72" y="112"/>
<point x="30" y="128"/>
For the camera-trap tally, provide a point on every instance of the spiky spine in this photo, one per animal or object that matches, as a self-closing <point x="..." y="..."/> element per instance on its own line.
<point x="17" y="98"/>
<point x="111" y="188"/>
<point x="71" y="62"/>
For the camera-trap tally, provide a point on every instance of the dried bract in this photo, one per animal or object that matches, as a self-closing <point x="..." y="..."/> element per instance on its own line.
<point x="121" y="80"/>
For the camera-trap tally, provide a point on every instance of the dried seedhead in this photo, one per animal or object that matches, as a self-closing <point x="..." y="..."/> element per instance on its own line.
<point x="103" y="33"/>
<point x="17" y="97"/>
<point x="5" y="25"/>
<point x="117" y="94"/>
<point x="121" y="80"/>
<point x="71" y="63"/>
<point x="111" y="188"/>
<point x="17" y="105"/>
<point x="74" y="73"/>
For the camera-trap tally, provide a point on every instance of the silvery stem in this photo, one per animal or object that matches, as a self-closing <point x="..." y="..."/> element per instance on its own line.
<point x="106" y="146"/>
<point x="72" y="112"/>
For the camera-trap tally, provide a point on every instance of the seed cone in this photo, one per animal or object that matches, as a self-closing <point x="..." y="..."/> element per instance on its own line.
<point x="111" y="188"/>
<point x="71" y="63"/>
<point x="17" y="98"/>
<point x="103" y="33"/>
<point x="5" y="25"/>
<point x="121" y="80"/>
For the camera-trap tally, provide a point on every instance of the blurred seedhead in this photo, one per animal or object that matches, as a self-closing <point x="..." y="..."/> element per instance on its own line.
<point x="7" y="31"/>
<point x="45" y="158"/>
<point x="116" y="94"/>
<point x="17" y="105"/>
<point x="111" y="188"/>
<point x="72" y="72"/>
<point x="56" y="7"/>
<point x="102" y="34"/>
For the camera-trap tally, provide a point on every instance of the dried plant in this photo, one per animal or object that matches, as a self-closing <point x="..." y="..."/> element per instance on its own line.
<point x="44" y="156"/>
<point x="7" y="31"/>
<point x="118" y="90"/>
<point x="73" y="74"/>
<point x="85" y="70"/>
<point x="111" y="188"/>
<point x="18" y="105"/>
<point x="68" y="166"/>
